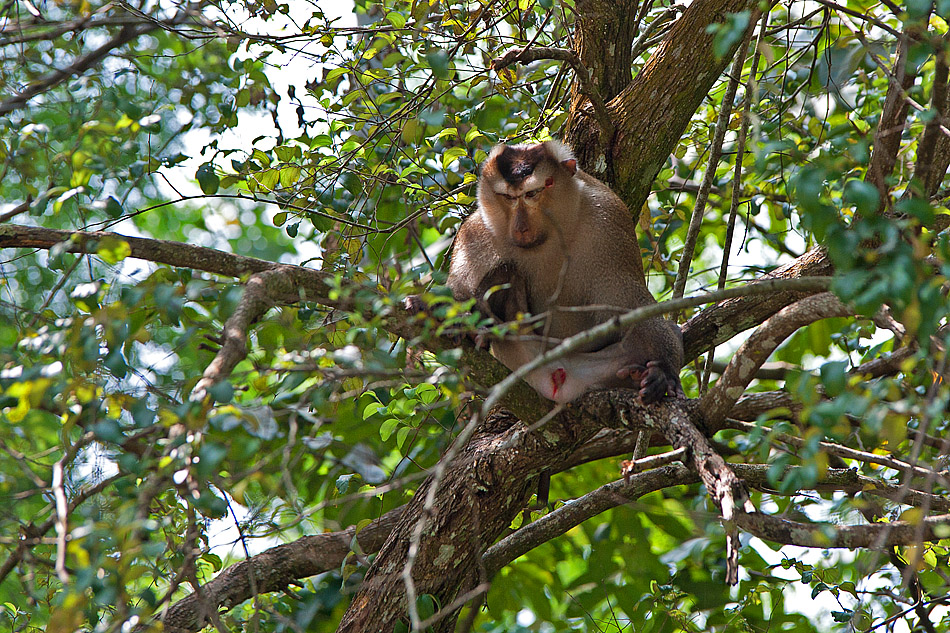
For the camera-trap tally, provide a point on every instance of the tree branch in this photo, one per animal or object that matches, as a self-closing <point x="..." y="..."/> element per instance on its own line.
<point x="305" y="280"/>
<point x="558" y="522"/>
<point x="931" y="167"/>
<point x="715" y="152"/>
<point x="274" y="570"/>
<point x="847" y="453"/>
<point x="720" y="399"/>
<point x="46" y="31"/>
<point x="262" y="291"/>
<point x="528" y="55"/>
<point x="723" y="321"/>
<point x="887" y="136"/>
<point x="618" y="324"/>
<point x="79" y="66"/>
<point x="315" y="554"/>
<point x="877" y="535"/>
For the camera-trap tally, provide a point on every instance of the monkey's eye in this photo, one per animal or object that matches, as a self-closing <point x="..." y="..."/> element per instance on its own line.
<point x="507" y="197"/>
<point x="533" y="193"/>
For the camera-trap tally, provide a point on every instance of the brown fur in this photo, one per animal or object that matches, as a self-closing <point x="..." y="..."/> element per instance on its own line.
<point x="562" y="239"/>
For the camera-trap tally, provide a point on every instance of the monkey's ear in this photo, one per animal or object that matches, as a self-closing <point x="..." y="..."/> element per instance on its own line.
<point x="570" y="165"/>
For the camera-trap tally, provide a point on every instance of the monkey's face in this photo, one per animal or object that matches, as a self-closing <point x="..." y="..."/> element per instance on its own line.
<point x="523" y="208"/>
<point x="516" y="191"/>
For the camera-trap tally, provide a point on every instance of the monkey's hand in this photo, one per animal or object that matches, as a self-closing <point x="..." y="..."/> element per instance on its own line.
<point x="655" y="381"/>
<point x="414" y="304"/>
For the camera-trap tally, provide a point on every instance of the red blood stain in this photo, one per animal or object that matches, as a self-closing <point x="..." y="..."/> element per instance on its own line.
<point x="558" y="378"/>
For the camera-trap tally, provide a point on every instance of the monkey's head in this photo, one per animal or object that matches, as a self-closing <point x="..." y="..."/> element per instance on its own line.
<point x="524" y="190"/>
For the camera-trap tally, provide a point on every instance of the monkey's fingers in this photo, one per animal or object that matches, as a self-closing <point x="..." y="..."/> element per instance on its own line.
<point x="633" y="372"/>
<point x="482" y="341"/>
<point x="414" y="304"/>
<point x="653" y="385"/>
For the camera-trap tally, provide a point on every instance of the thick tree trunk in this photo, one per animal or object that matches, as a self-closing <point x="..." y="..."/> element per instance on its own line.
<point x="653" y="110"/>
<point x="603" y="39"/>
<point x="482" y="491"/>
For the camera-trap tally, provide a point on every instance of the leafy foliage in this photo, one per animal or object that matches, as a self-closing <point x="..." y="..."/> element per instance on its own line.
<point x="122" y="493"/>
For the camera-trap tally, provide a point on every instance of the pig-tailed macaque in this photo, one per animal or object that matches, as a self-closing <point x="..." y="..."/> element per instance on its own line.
<point x="560" y="244"/>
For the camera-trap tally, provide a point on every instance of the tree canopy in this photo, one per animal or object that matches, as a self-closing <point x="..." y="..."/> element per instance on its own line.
<point x="216" y="413"/>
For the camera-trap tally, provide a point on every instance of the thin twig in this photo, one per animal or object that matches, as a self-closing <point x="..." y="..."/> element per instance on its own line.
<point x="699" y="209"/>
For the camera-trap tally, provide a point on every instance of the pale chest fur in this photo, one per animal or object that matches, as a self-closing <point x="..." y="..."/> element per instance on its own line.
<point x="581" y="270"/>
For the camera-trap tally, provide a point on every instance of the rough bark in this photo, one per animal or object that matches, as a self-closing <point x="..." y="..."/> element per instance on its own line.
<point x="934" y="157"/>
<point x="603" y="39"/>
<point x="732" y="316"/>
<point x="887" y="136"/>
<point x="160" y="252"/>
<point x="274" y="570"/>
<point x="476" y="500"/>
<point x="652" y="111"/>
<point x="719" y="401"/>
<point x="482" y="491"/>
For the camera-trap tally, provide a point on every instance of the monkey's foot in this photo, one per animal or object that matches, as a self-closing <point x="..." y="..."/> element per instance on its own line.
<point x="654" y="381"/>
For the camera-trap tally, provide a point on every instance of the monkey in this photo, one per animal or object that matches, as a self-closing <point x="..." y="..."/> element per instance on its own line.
<point x="552" y="240"/>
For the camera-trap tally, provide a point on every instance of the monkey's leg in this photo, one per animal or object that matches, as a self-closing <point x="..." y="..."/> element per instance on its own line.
<point x="654" y="354"/>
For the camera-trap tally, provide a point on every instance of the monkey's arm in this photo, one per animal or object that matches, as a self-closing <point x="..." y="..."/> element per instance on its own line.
<point x="473" y="260"/>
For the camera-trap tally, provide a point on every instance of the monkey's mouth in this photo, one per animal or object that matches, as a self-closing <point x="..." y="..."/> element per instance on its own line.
<point x="530" y="241"/>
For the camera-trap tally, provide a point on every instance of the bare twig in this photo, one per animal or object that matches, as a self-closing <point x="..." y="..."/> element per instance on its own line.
<point x="845" y="452"/>
<point x="304" y="557"/>
<point x="62" y="517"/>
<point x="262" y="291"/>
<point x="23" y="207"/>
<point x="579" y="510"/>
<point x="79" y="66"/>
<point x="750" y="89"/>
<point x="722" y="124"/>
<point x="639" y="465"/>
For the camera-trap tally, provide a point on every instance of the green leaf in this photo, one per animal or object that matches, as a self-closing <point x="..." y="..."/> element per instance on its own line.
<point x="371" y="409"/>
<point x="439" y="62"/>
<point x="343" y="482"/>
<point x="387" y="427"/>
<point x="112" y="249"/>
<point x="728" y="34"/>
<point x="842" y="616"/>
<point x="113" y="207"/>
<point x="397" y="19"/>
<point x="221" y="391"/>
<point x="207" y="179"/>
<point x="402" y="434"/>
<point x="834" y="378"/>
<point x="863" y="195"/>
<point x="918" y="208"/>
<point x="451" y="155"/>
